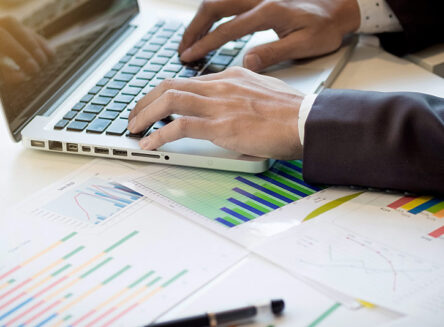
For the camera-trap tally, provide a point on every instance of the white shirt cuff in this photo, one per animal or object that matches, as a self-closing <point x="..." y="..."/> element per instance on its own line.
<point x="304" y="111"/>
<point x="377" y="17"/>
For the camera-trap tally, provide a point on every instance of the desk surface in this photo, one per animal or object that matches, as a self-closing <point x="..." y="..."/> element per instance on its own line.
<point x="23" y="172"/>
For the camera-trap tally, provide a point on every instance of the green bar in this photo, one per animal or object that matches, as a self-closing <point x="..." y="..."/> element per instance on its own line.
<point x="231" y="220"/>
<point x="123" y="240"/>
<point x="293" y="173"/>
<point x="68" y="237"/>
<point x="325" y="315"/>
<point x="436" y="208"/>
<point x="11" y="281"/>
<point x="256" y="206"/>
<point x="96" y="267"/>
<point x="69" y="255"/>
<point x="297" y="163"/>
<point x="60" y="270"/>
<point x="244" y="213"/>
<point x="289" y="183"/>
<point x="141" y="279"/>
<point x="67" y="318"/>
<point x="117" y="274"/>
<point x="267" y="198"/>
<point x="154" y="281"/>
<point x="278" y="191"/>
<point x="172" y="280"/>
<point x="67" y="296"/>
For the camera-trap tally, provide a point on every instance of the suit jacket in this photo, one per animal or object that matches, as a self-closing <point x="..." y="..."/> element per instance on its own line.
<point x="381" y="140"/>
<point x="423" y="24"/>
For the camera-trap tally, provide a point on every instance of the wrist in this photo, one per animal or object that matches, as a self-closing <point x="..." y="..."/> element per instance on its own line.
<point x="348" y="16"/>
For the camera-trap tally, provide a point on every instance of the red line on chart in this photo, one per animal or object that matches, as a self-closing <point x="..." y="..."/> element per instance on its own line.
<point x="395" y="274"/>
<point x="10" y="272"/>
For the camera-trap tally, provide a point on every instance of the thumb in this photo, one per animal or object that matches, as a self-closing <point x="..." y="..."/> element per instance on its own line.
<point x="263" y="56"/>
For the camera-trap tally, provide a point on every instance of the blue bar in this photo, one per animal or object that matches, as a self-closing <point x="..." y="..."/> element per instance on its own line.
<point x="101" y="218"/>
<point x="294" y="179"/>
<point x="126" y="189"/>
<point x="119" y="205"/>
<point x="424" y="206"/>
<point x="285" y="187"/>
<point x="235" y="214"/>
<point x="290" y="165"/>
<point x="263" y="189"/>
<point x="246" y="206"/>
<point x="47" y="320"/>
<point x="16" y="308"/>
<point x="114" y="198"/>
<point x="255" y="198"/>
<point x="226" y="223"/>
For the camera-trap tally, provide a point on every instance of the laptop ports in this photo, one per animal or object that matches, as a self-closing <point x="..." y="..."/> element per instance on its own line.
<point x="55" y="146"/>
<point x="86" y="149"/>
<point x="120" y="153"/>
<point x="71" y="147"/>
<point x="101" y="151"/>
<point x="145" y="155"/>
<point x="37" y="144"/>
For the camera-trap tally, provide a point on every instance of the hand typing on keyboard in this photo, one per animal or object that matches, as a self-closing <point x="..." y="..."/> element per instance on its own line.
<point x="235" y="109"/>
<point x="22" y="51"/>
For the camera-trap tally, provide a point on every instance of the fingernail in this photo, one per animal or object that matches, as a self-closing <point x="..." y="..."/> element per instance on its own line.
<point x="145" y="144"/>
<point x="32" y="66"/>
<point x="132" y="124"/>
<point x="41" y="56"/>
<point x="253" y="62"/>
<point x="186" y="55"/>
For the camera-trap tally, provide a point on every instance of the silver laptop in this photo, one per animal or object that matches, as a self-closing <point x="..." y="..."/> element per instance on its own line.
<point x="108" y="57"/>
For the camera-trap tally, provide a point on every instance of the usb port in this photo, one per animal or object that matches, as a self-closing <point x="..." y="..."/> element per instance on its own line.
<point x="55" y="146"/>
<point x="101" y="151"/>
<point x="86" y="149"/>
<point x="120" y="153"/>
<point x="37" y="144"/>
<point x="71" y="147"/>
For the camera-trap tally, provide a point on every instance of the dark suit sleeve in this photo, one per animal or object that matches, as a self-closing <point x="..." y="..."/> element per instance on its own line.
<point x="372" y="139"/>
<point x="422" y="22"/>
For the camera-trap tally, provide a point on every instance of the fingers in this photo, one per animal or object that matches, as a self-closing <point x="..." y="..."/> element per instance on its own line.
<point x="50" y="52"/>
<point x="171" y="102"/>
<point x="193" y="127"/>
<point x="11" y="75"/>
<point x="246" y="23"/>
<point x="209" y="12"/>
<point x="181" y="84"/>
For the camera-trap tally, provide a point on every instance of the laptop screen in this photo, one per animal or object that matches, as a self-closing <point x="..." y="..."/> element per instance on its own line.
<point x="68" y="32"/>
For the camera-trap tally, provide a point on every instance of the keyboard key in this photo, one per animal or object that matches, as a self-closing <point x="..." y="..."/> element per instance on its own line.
<point x="172" y="46"/>
<point x="187" y="72"/>
<point x="146" y="75"/>
<point x="118" y="127"/>
<point x="131" y="90"/>
<point x="165" y="75"/>
<point x="139" y="44"/>
<point x="103" y="82"/>
<point x="229" y="52"/>
<point x="158" y="40"/>
<point x="221" y="60"/>
<point x="111" y="74"/>
<point x="152" y="68"/>
<point x="121" y="77"/>
<point x="125" y="59"/>
<point x="93" y="109"/>
<point x="139" y="82"/>
<point x="172" y="26"/>
<point x="159" y="60"/>
<point x="165" y="34"/>
<point x="213" y="69"/>
<point x="151" y="47"/>
<point x="176" y="61"/>
<point x="156" y="82"/>
<point x="145" y="55"/>
<point x="118" y="66"/>
<point x="109" y="93"/>
<point x="119" y="107"/>
<point x="125" y="115"/>
<point x="133" y="51"/>
<point x="87" y="98"/>
<point x="124" y="99"/>
<point x="103" y="101"/>
<point x="85" y="117"/>
<point x="131" y="70"/>
<point x="79" y="106"/>
<point x="62" y="124"/>
<point x="107" y="114"/>
<point x="77" y="126"/>
<point x="70" y="115"/>
<point x="98" y="126"/>
<point x="95" y="90"/>
<point x="116" y="85"/>
<point x="166" y="53"/>
<point x="173" y="68"/>
<point x="137" y="62"/>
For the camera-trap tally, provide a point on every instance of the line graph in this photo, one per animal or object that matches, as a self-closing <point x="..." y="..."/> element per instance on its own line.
<point x="94" y="201"/>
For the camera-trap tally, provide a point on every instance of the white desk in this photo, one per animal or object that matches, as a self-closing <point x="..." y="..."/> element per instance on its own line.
<point x="23" y="172"/>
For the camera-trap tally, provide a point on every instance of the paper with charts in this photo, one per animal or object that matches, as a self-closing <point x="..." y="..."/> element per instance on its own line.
<point x="88" y="252"/>
<point x="384" y="249"/>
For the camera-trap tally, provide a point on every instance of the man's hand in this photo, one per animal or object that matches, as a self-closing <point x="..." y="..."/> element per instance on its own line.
<point x="28" y="51"/>
<point x="306" y="28"/>
<point x="236" y="109"/>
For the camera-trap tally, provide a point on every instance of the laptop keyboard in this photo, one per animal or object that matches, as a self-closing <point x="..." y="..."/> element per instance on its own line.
<point x="106" y="107"/>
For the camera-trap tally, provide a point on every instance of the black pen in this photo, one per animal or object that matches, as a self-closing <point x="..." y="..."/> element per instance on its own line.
<point x="225" y="317"/>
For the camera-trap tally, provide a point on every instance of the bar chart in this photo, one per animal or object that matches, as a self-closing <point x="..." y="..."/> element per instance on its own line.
<point x="94" y="201"/>
<point x="424" y="204"/>
<point x="230" y="199"/>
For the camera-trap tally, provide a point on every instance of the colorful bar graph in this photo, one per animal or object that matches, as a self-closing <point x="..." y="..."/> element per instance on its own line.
<point x="417" y="205"/>
<point x="437" y="233"/>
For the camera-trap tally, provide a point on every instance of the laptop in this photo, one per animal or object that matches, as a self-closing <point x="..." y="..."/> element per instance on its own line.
<point x="108" y="56"/>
